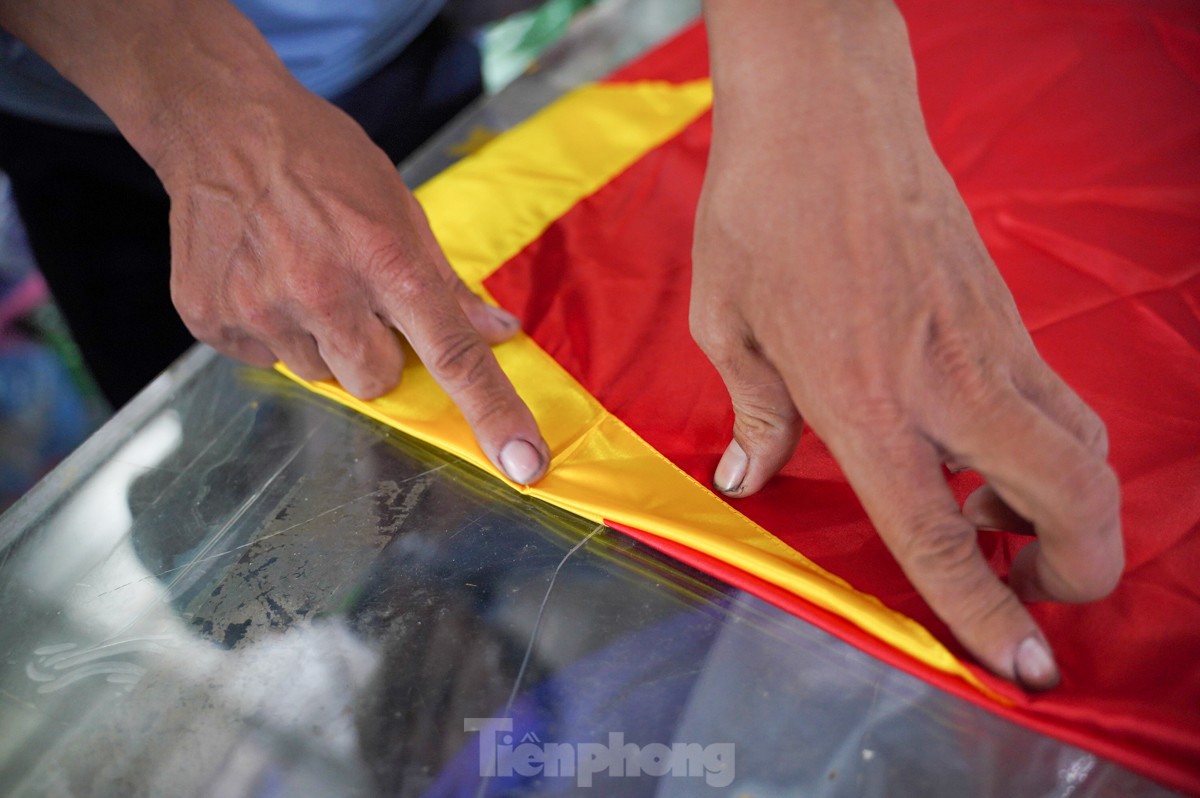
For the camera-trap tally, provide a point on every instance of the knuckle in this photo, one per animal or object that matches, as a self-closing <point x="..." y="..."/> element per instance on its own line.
<point x="968" y="380"/>
<point x="255" y="309"/>
<point x="873" y="424"/>
<point x="1091" y="584"/>
<point x="1090" y="488"/>
<point x="388" y="255"/>
<point x="942" y="558"/>
<point x="322" y="300"/>
<point x="963" y="368"/>
<point x="249" y="308"/>
<point x="314" y="299"/>
<point x="412" y="289"/>
<point x="1092" y="574"/>
<point x="759" y="421"/>
<point x="704" y="331"/>
<point x="1095" y="435"/>
<point x="198" y="312"/>
<point x="261" y="318"/>
<point x="939" y="547"/>
<point x="716" y="333"/>
<point x="460" y="358"/>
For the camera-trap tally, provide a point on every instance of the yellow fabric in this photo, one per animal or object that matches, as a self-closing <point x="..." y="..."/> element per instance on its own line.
<point x="484" y="210"/>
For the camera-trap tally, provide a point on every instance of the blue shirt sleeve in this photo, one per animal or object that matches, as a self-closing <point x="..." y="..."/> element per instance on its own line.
<point x="328" y="46"/>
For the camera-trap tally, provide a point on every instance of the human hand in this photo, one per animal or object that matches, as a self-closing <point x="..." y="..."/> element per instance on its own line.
<point x="294" y="239"/>
<point x="838" y="278"/>
<point x="292" y="235"/>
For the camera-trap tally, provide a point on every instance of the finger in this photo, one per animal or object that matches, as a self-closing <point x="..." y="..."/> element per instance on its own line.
<point x="463" y="364"/>
<point x="363" y="354"/>
<point x="494" y="324"/>
<point x="1047" y="390"/>
<point x="901" y="485"/>
<point x="245" y="349"/>
<point x="253" y="330"/>
<point x="766" y="424"/>
<point x="299" y="353"/>
<point x="229" y="340"/>
<point x="1070" y="494"/>
<point x="986" y="510"/>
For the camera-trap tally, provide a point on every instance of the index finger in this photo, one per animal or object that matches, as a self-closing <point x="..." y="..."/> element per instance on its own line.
<point x="899" y="480"/>
<point x="424" y="309"/>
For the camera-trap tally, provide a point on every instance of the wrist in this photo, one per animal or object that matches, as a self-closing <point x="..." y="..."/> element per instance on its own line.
<point x="190" y="98"/>
<point x="789" y="68"/>
<point x="816" y="92"/>
<point x="163" y="70"/>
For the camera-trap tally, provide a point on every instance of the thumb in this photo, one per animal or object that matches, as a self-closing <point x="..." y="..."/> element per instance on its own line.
<point x="766" y="423"/>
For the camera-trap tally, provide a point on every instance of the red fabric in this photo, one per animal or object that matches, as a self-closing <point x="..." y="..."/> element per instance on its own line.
<point x="680" y="61"/>
<point x="1073" y="131"/>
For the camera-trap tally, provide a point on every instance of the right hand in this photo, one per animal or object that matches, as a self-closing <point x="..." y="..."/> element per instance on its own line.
<point x="294" y="238"/>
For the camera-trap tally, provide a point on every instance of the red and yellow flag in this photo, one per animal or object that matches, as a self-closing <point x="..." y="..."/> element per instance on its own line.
<point x="1081" y="164"/>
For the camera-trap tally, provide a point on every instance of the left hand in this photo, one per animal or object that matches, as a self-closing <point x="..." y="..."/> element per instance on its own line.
<point x="838" y="277"/>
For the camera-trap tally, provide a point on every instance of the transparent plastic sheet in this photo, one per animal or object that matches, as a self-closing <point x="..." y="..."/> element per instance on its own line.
<point x="251" y="591"/>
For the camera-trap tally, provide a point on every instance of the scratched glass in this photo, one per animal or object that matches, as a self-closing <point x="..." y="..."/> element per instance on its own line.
<point x="241" y="589"/>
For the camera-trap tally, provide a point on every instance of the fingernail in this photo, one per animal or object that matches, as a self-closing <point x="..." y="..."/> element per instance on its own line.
<point x="731" y="471"/>
<point x="506" y="319"/>
<point x="520" y="461"/>
<point x="956" y="467"/>
<point x="1034" y="666"/>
